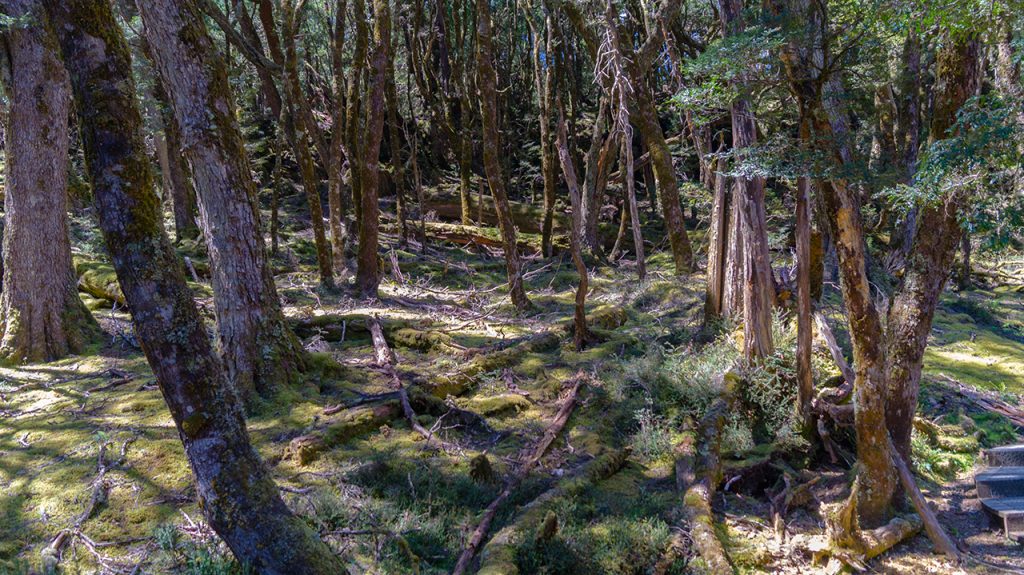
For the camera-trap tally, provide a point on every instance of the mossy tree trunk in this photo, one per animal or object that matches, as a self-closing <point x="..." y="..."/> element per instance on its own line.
<point x="337" y="201"/>
<point x="259" y="350"/>
<point x="487" y="84"/>
<point x="235" y="490"/>
<point x="304" y="130"/>
<point x="353" y="113"/>
<point x="368" y="271"/>
<point x="41" y="316"/>
<point x="931" y="257"/>
<point x="177" y="183"/>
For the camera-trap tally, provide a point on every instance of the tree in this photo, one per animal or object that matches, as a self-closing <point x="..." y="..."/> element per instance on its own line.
<point x="887" y="362"/>
<point x="758" y="286"/>
<point x="487" y="84"/>
<point x="301" y="117"/>
<point x="41" y="316"/>
<point x="368" y="271"/>
<point x="235" y="490"/>
<point x="258" y="348"/>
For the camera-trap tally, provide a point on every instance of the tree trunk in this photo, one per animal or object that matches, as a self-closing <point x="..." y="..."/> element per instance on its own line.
<point x="544" y="84"/>
<point x="595" y="177"/>
<point x="804" y="328"/>
<point x="759" y="290"/>
<point x="646" y="120"/>
<point x="41" y="316"/>
<point x="910" y="315"/>
<point x="823" y="123"/>
<point x="303" y="155"/>
<point x="908" y="126"/>
<point x="368" y="271"/>
<point x="580" y="332"/>
<point x="178" y="183"/>
<point x="235" y="489"/>
<point x="732" y="291"/>
<point x="395" y="148"/>
<point x="718" y="242"/>
<point x="336" y="199"/>
<point x="353" y="123"/>
<point x="487" y="84"/>
<point x="259" y="350"/>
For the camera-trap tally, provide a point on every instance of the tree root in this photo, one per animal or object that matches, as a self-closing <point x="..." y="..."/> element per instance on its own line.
<point x="498" y="556"/>
<point x="557" y="424"/>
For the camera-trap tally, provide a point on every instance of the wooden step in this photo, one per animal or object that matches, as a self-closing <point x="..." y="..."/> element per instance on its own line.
<point x="1005" y="456"/>
<point x="1007" y="514"/>
<point x="1000" y="482"/>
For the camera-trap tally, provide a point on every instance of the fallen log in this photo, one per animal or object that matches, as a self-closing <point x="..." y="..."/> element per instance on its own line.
<point x="701" y="485"/>
<point x="405" y="333"/>
<point x="552" y="431"/>
<point x="348" y="424"/>
<point x="98" y="279"/>
<point x="498" y="556"/>
<point x="465" y="377"/>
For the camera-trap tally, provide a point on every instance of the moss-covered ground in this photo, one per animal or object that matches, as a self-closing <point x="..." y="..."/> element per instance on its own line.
<point x="384" y="499"/>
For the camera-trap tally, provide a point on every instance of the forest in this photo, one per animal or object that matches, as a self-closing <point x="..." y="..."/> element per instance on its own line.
<point x="627" y="287"/>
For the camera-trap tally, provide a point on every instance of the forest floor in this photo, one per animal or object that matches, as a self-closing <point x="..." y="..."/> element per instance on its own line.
<point x="391" y="503"/>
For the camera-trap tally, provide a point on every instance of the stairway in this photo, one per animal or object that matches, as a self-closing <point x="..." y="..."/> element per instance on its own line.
<point x="1001" y="488"/>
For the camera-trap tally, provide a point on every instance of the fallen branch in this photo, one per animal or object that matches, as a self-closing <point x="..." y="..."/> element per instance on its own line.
<point x="387" y="359"/>
<point x="477" y="537"/>
<point x="936" y="533"/>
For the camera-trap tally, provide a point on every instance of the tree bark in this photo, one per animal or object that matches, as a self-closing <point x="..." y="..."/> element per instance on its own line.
<point x="336" y="200"/>
<point x="595" y="178"/>
<point x="236" y="492"/>
<point x="487" y="84"/>
<point x="368" y="270"/>
<point x="353" y="123"/>
<point x="804" y="326"/>
<point x="544" y="85"/>
<point x="41" y="316"/>
<point x="580" y="332"/>
<point x="259" y="350"/>
<point x="718" y="242"/>
<point x="732" y="292"/>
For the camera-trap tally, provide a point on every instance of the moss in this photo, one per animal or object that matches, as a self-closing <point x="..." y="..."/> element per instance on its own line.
<point x="99" y="280"/>
<point x="498" y="404"/>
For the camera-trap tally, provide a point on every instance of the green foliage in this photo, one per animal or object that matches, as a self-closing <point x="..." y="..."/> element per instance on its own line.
<point x="653" y="439"/>
<point x="971" y="161"/>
